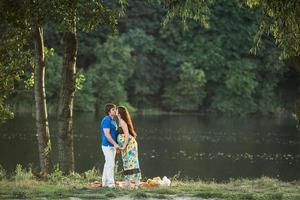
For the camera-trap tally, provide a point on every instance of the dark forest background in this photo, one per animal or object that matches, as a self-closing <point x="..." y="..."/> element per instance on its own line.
<point x="148" y="66"/>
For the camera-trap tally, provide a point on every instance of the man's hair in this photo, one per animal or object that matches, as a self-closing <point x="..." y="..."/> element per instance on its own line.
<point x="108" y="107"/>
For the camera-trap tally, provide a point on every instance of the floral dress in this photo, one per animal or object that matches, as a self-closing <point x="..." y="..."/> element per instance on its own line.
<point x="130" y="159"/>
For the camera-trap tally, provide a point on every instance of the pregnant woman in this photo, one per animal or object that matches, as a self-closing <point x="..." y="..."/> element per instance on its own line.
<point x="127" y="141"/>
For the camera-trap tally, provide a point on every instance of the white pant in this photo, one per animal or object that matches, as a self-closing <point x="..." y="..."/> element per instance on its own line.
<point x="109" y="165"/>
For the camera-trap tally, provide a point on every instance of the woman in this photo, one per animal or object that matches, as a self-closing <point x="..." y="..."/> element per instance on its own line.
<point x="127" y="141"/>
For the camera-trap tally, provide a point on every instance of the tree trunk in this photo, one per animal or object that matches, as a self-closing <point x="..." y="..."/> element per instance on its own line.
<point x="42" y="126"/>
<point x="296" y="63"/>
<point x="65" y="107"/>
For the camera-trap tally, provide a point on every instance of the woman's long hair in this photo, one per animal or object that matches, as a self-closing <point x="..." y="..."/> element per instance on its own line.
<point x="126" y="117"/>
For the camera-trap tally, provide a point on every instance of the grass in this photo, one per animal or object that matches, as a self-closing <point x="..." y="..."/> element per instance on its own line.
<point x="260" y="189"/>
<point x="23" y="185"/>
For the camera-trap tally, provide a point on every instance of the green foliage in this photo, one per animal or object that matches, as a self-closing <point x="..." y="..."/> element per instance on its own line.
<point x="80" y="78"/>
<point x="75" y="177"/>
<point x="22" y="174"/>
<point x="144" y="84"/>
<point x="236" y="81"/>
<point x="14" y="58"/>
<point x="83" y="101"/>
<point x="186" y="93"/>
<point x="53" y="79"/>
<point x="29" y="83"/>
<point x="148" y="73"/>
<point x="281" y="19"/>
<point x="19" y="17"/>
<point x="84" y="98"/>
<point x="5" y="111"/>
<point x="188" y="9"/>
<point x="207" y="68"/>
<point x="49" y="52"/>
<point x="83" y="15"/>
<point x="95" y="14"/>
<point x="113" y="67"/>
<point x="236" y="95"/>
<point x="56" y="175"/>
<point x="92" y="175"/>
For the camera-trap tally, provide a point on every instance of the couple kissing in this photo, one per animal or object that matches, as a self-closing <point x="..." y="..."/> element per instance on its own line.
<point x="118" y="135"/>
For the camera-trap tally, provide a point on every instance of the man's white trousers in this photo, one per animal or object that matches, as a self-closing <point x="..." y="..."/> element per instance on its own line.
<point x="108" y="169"/>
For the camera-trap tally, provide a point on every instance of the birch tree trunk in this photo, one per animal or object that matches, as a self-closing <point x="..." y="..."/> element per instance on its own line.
<point x="41" y="115"/>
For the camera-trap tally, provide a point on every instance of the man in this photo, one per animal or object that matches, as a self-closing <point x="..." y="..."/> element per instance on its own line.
<point x="108" y="130"/>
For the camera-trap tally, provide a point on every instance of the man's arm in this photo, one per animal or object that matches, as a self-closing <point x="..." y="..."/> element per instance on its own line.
<point x="108" y="136"/>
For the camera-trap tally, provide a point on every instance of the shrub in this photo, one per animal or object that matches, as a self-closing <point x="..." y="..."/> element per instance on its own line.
<point x="56" y="175"/>
<point x="92" y="175"/>
<point x="22" y="174"/>
<point x="74" y="176"/>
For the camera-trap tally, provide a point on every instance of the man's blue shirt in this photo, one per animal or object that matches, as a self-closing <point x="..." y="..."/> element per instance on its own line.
<point x="108" y="122"/>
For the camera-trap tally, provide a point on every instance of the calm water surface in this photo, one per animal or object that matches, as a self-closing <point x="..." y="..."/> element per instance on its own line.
<point x="204" y="147"/>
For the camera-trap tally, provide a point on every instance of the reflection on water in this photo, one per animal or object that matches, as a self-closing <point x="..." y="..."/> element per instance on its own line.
<point x="202" y="147"/>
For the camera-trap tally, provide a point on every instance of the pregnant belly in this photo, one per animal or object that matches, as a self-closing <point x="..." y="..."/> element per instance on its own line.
<point x="121" y="139"/>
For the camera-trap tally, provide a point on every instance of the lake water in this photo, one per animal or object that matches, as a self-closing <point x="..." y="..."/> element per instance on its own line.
<point x="199" y="147"/>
